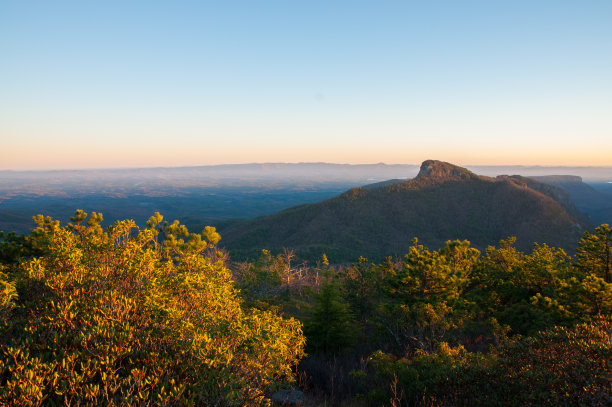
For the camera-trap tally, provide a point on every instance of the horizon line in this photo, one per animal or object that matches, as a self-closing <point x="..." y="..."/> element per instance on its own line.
<point x="124" y="168"/>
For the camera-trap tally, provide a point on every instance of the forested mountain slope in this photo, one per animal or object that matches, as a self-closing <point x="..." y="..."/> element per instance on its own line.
<point x="443" y="202"/>
<point x="597" y="205"/>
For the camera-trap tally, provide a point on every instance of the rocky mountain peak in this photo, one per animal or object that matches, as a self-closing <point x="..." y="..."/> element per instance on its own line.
<point x="443" y="170"/>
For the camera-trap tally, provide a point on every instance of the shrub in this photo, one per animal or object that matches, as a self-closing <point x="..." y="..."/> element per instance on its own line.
<point x="118" y="318"/>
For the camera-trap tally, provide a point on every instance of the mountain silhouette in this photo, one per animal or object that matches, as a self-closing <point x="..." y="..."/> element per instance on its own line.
<point x="443" y="202"/>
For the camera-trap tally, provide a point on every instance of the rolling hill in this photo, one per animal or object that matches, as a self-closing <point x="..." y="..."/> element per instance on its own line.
<point x="443" y="202"/>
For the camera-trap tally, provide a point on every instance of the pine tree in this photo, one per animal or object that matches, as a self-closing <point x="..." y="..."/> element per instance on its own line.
<point x="330" y="328"/>
<point x="595" y="252"/>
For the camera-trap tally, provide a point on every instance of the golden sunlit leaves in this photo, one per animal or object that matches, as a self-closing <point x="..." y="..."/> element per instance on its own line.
<point x="118" y="317"/>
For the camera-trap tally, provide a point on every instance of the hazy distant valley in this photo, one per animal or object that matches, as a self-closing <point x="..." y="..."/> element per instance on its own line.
<point x="193" y="194"/>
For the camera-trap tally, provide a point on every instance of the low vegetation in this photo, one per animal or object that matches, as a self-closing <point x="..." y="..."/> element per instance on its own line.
<point x="161" y="316"/>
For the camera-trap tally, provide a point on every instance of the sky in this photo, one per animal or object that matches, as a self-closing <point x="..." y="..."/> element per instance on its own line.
<point x="100" y="84"/>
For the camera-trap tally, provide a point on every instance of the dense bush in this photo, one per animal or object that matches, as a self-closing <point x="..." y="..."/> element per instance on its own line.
<point x="120" y="317"/>
<point x="560" y="366"/>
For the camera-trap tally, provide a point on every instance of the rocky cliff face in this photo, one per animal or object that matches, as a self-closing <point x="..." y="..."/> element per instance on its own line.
<point x="444" y="171"/>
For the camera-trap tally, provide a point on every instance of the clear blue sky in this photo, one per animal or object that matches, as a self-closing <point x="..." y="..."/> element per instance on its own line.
<point x="147" y="83"/>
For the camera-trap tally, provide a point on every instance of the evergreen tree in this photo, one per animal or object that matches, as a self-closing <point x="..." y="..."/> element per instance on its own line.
<point x="595" y="252"/>
<point x="330" y="328"/>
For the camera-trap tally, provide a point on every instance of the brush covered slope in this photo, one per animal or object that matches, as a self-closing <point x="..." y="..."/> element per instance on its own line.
<point x="443" y="202"/>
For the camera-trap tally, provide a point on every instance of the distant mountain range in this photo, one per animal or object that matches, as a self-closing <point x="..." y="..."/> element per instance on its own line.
<point x="443" y="202"/>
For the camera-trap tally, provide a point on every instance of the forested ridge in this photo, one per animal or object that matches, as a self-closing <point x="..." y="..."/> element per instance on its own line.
<point x="443" y="202"/>
<point x="162" y="316"/>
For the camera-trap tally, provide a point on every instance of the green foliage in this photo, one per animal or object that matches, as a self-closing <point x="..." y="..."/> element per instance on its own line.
<point x="117" y="318"/>
<point x="528" y="292"/>
<point x="264" y="283"/>
<point x="210" y="233"/>
<point x="561" y="366"/>
<point x="363" y="282"/>
<point x="151" y="316"/>
<point x="8" y="295"/>
<point x="330" y="328"/>
<point x="422" y="378"/>
<point x="13" y="247"/>
<point x="451" y="320"/>
<point x="594" y="252"/>
<point x="423" y="294"/>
